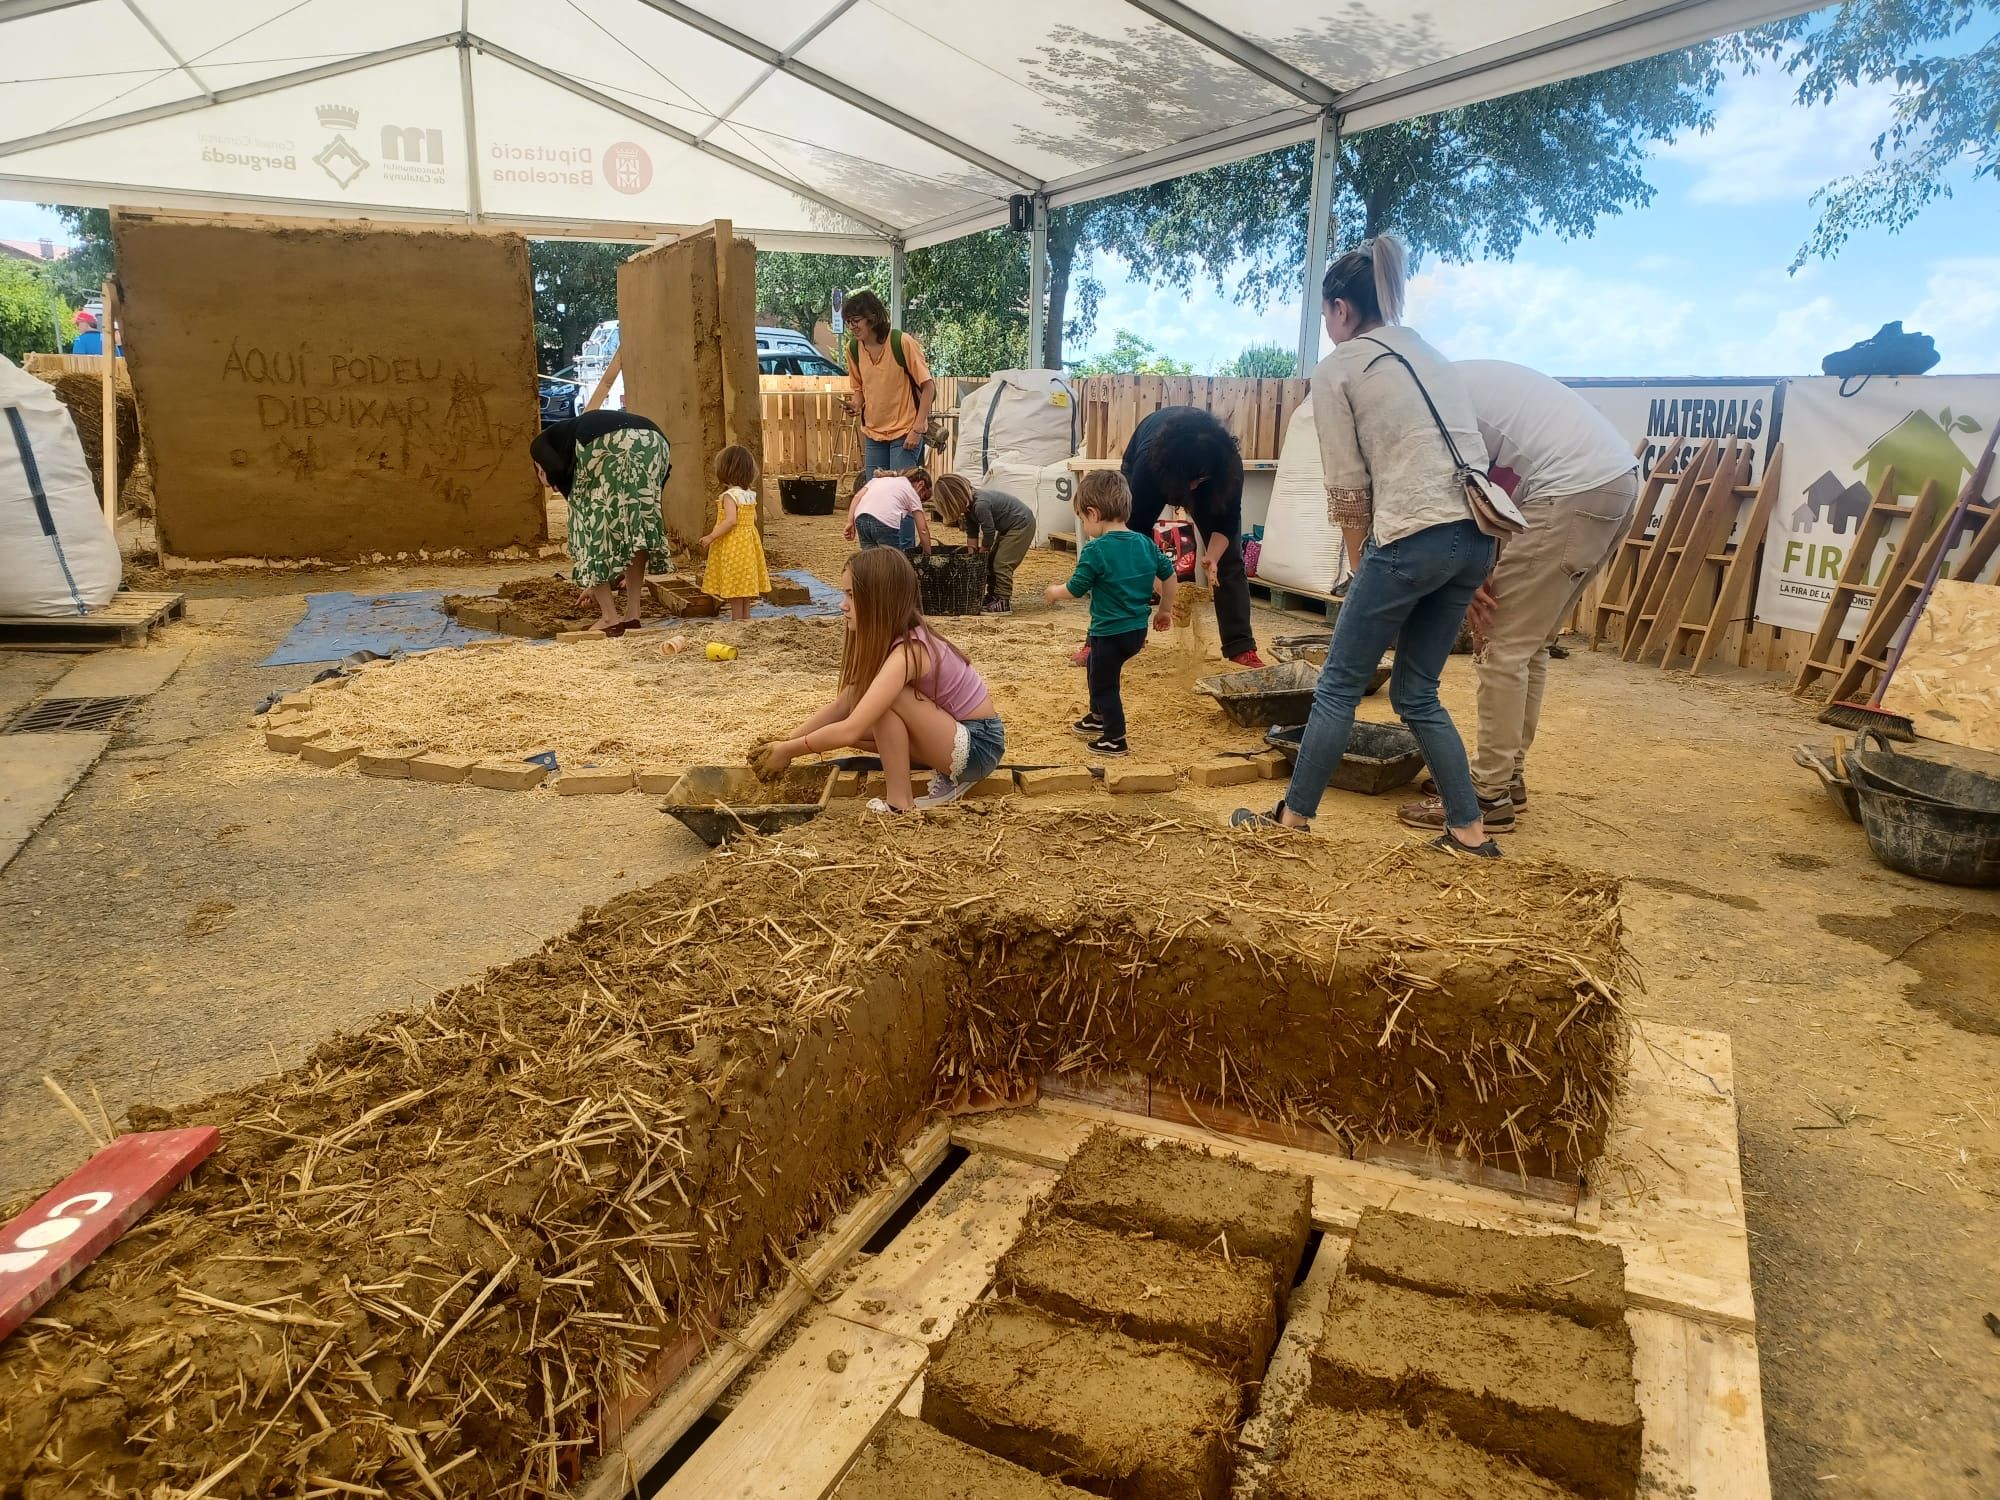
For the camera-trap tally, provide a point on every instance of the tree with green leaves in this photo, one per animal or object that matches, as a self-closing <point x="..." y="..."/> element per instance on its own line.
<point x="1131" y="355"/>
<point x="79" y="276"/>
<point x="1469" y="183"/>
<point x="33" y="316"/>
<point x="1947" y="102"/>
<point x="1262" y="362"/>
<point x="576" y="288"/>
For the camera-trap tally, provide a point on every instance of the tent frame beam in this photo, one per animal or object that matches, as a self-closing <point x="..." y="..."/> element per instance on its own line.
<point x="781" y="61"/>
<point x="1038" y="282"/>
<point x="1319" y="228"/>
<point x="181" y="63"/>
<point x="1239" y="49"/>
<point x="228" y="95"/>
<point x="653" y="122"/>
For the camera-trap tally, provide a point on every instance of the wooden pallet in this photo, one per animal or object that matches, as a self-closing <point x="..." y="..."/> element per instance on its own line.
<point x="1726" y="595"/>
<point x="126" y="621"/>
<point x="1668" y="1191"/>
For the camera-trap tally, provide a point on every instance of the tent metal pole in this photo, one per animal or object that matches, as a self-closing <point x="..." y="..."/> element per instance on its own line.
<point x="898" y="270"/>
<point x="1038" y="283"/>
<point x="472" y="158"/>
<point x="1319" y="226"/>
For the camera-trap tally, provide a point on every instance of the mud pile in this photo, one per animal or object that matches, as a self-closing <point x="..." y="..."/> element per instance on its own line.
<point x="543" y="605"/>
<point x="440" y="1256"/>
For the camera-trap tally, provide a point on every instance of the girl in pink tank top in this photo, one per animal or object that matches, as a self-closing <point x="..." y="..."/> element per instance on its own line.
<point x="906" y="693"/>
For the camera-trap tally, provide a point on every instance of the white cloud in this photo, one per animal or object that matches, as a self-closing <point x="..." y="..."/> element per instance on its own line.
<point x="1202" y="326"/>
<point x="1572" y="322"/>
<point x="1765" y="148"/>
<point x="1961" y="310"/>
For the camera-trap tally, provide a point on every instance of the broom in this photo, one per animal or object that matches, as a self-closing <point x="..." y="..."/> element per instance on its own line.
<point x="1871" y="714"/>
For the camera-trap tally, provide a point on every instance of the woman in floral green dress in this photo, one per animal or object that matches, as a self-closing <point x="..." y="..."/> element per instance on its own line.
<point x="611" y="467"/>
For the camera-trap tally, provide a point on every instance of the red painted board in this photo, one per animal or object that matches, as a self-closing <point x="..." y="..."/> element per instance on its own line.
<point x="69" y="1226"/>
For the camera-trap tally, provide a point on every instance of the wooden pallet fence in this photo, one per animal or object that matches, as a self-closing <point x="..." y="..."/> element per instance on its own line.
<point x="808" y="430"/>
<point x="1255" y="411"/>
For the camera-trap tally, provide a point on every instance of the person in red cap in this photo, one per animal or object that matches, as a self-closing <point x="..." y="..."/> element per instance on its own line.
<point x="88" y="340"/>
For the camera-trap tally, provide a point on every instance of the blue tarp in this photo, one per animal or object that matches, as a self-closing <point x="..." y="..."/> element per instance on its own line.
<point x="336" y="624"/>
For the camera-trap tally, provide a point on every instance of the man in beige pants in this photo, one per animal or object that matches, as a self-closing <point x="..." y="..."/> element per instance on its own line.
<point x="1578" y="483"/>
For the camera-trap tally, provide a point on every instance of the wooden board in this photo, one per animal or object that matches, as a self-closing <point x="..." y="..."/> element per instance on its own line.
<point x="126" y="621"/>
<point x="802" y="1422"/>
<point x="1702" y="1397"/>
<point x="692" y="1376"/>
<point x="1260" y="1446"/>
<point x="944" y="1257"/>
<point x="1948" y="683"/>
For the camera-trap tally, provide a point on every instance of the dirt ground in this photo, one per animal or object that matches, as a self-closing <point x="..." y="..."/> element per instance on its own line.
<point x="177" y="927"/>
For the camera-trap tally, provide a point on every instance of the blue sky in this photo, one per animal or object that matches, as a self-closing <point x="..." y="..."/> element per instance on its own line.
<point x="1693" y="285"/>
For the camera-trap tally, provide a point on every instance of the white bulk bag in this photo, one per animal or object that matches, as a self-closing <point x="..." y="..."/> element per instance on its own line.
<point x="1021" y="420"/>
<point x="1054" y="485"/>
<point x="57" y="557"/>
<point x="1302" y="548"/>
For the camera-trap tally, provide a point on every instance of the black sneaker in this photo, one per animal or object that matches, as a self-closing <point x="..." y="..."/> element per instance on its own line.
<point x="1105" y="745"/>
<point x="1517" y="792"/>
<point x="1444" y="843"/>
<point x="1089" y="726"/>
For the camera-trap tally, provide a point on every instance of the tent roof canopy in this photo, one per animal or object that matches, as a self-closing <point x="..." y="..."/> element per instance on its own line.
<point x="812" y="124"/>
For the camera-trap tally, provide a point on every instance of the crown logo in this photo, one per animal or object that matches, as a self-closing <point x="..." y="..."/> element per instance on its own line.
<point x="339" y="117"/>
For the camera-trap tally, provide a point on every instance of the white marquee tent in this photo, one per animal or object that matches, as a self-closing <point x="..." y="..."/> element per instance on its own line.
<point x="839" y="125"/>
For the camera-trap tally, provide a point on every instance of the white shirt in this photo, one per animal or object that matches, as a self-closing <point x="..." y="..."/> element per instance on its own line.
<point x="1376" y="433"/>
<point x="1541" y="429"/>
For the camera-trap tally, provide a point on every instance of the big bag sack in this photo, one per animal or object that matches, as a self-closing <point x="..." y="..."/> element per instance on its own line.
<point x="1493" y="509"/>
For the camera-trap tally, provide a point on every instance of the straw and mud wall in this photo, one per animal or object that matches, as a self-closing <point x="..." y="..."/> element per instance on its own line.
<point x="468" y="1232"/>
<point x="687" y="320"/>
<point x="335" y="392"/>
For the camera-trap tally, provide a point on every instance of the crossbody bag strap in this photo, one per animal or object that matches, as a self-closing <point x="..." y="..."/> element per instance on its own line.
<point x="1451" y="444"/>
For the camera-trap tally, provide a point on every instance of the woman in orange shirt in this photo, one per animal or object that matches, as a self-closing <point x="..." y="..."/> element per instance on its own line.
<point x="892" y="387"/>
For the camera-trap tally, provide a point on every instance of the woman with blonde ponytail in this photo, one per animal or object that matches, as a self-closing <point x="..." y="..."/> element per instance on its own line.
<point x="1392" y="416"/>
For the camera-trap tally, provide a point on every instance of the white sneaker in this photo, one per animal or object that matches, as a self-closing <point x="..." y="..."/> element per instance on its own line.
<point x="944" y="791"/>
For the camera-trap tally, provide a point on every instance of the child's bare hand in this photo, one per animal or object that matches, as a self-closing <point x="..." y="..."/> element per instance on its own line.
<point x="1163" y="619"/>
<point x="1056" y="593"/>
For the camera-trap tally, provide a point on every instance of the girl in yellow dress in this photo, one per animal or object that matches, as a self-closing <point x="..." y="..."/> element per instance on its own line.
<point x="736" y="570"/>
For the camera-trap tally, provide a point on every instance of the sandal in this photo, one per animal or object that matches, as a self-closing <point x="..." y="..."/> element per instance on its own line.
<point x="1445" y="843"/>
<point x="878" y="805"/>
<point x="613" y="630"/>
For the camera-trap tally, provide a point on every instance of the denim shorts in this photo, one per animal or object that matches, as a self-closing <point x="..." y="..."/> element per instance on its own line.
<point x="977" y="748"/>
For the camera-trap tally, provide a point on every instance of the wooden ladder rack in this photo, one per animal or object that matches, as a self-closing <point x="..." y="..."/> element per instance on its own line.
<point x="1725" y="594"/>
<point x="1681" y="549"/>
<point x="1623" y="578"/>
<point x="1828" y="654"/>
<point x="1893" y="604"/>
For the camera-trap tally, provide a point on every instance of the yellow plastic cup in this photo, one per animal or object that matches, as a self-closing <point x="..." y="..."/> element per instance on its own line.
<point x="717" y="651"/>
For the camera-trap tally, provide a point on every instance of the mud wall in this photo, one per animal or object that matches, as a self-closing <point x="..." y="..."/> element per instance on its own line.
<point x="687" y="316"/>
<point x="332" y="391"/>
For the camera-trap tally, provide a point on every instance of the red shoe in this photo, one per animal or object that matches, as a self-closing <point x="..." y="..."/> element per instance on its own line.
<point x="1249" y="658"/>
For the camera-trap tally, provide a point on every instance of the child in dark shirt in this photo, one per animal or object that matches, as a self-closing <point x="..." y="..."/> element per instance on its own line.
<point x="1119" y="570"/>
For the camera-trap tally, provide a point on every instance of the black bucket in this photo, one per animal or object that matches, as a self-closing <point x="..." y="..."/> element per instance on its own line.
<point x="1928" y="819"/>
<point x="805" y="496"/>
<point x="951" y="580"/>
<point x="1379" y="758"/>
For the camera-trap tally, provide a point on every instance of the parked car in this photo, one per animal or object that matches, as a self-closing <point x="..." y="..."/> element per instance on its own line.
<point x="781" y="351"/>
<point x="560" y="396"/>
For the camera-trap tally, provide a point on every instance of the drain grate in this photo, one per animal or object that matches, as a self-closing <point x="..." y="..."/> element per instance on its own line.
<point x="83" y="714"/>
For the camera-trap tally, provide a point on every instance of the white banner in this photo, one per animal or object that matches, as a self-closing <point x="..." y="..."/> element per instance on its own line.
<point x="1923" y="428"/>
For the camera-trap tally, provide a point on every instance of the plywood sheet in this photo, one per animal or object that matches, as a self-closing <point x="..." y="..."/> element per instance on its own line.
<point x="1948" y="684"/>
<point x="336" y="392"/>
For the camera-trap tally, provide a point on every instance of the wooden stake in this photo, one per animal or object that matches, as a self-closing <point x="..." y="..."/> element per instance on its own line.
<point x="604" y="381"/>
<point x="108" y="444"/>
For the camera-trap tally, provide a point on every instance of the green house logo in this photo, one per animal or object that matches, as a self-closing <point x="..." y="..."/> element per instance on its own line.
<point x="1920" y="449"/>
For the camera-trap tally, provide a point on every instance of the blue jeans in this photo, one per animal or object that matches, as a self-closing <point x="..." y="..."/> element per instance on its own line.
<point x="890" y="455"/>
<point x="872" y="533"/>
<point x="1411" y="594"/>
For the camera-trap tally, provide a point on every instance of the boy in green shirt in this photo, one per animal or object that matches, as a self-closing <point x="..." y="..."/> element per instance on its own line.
<point x="1118" y="569"/>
